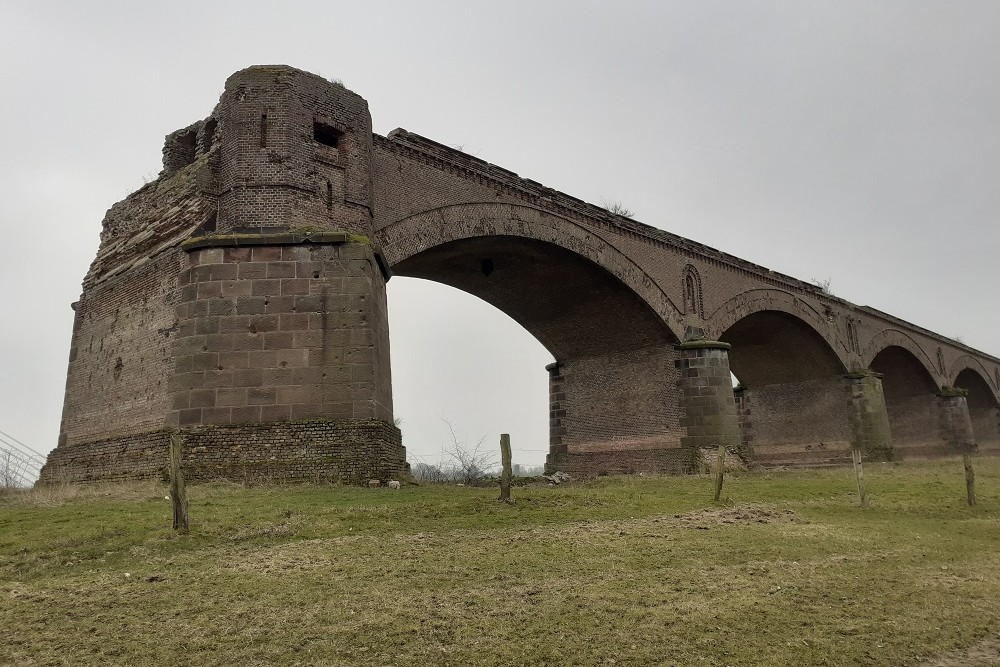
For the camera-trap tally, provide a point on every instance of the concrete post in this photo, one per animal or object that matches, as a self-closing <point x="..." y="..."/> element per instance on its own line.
<point x="710" y="417"/>
<point x="868" y="415"/>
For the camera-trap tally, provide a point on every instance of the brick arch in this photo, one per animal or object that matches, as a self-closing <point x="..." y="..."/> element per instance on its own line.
<point x="759" y="300"/>
<point x="970" y="363"/>
<point x="410" y="236"/>
<point x="981" y="401"/>
<point x="896" y="338"/>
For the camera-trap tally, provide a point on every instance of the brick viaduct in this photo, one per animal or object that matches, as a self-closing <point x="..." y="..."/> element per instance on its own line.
<point x="240" y="298"/>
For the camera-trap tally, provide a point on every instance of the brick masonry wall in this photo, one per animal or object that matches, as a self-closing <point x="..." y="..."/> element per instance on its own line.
<point x="273" y="172"/>
<point x="800" y="423"/>
<point x="915" y="426"/>
<point x="745" y="420"/>
<point x="709" y="418"/>
<point x="618" y="402"/>
<point x="415" y="175"/>
<point x="983" y="410"/>
<point x="868" y="417"/>
<point x="676" y="461"/>
<point x="121" y="355"/>
<point x="278" y="333"/>
<point x="136" y="456"/>
<point x="346" y="451"/>
<point x="285" y="149"/>
<point x="956" y="426"/>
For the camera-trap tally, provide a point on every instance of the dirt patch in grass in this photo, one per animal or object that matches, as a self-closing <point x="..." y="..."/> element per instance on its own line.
<point x="983" y="654"/>
<point x="713" y="517"/>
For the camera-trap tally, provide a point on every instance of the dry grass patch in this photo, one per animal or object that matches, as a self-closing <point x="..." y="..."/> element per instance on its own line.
<point x="620" y="571"/>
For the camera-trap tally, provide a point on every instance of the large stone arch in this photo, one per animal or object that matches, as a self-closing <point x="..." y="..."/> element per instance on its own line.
<point x="968" y="362"/>
<point x="968" y="375"/>
<point x="614" y="396"/>
<point x="417" y="233"/>
<point x="896" y="338"/>
<point x="793" y="399"/>
<point x="759" y="300"/>
<point x="911" y="394"/>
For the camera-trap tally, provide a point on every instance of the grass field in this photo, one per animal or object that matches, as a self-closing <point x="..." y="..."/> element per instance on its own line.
<point x="618" y="571"/>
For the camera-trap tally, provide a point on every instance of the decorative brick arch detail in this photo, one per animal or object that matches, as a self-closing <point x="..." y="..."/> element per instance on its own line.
<point x="758" y="300"/>
<point x="694" y="304"/>
<point x="407" y="237"/>
<point x="896" y="338"/>
<point x="967" y="361"/>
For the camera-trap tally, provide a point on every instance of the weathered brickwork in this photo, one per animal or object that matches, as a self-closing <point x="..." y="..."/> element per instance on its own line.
<point x="956" y="427"/>
<point x="800" y="423"/>
<point x="868" y="416"/>
<point x="241" y="296"/>
<point x="710" y="416"/>
<point x="275" y="333"/>
<point x="238" y="295"/>
<point x="345" y="451"/>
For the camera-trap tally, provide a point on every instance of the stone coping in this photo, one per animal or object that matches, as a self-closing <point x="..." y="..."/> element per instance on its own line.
<point x="239" y="240"/>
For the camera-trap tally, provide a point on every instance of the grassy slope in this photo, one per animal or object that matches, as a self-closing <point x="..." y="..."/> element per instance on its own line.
<point x="620" y="571"/>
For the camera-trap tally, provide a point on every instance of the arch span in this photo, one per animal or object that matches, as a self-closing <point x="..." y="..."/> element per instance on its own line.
<point x="614" y="400"/>
<point x="794" y="407"/>
<point x="759" y="300"/>
<point x="418" y="233"/>
<point x="911" y="399"/>
<point x="899" y="339"/>
<point x="967" y="362"/>
<point x="984" y="410"/>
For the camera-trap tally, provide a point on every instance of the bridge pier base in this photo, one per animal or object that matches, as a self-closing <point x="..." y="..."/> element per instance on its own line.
<point x="869" y="418"/>
<point x="709" y="406"/>
<point x="955" y="422"/>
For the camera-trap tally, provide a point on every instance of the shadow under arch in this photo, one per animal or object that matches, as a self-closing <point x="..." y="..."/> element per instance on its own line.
<point x="613" y="389"/>
<point x="760" y="300"/>
<point x="422" y="231"/>
<point x="793" y="404"/>
<point x="984" y="410"/>
<point x="900" y="339"/>
<point x="970" y="363"/>
<point x="911" y="397"/>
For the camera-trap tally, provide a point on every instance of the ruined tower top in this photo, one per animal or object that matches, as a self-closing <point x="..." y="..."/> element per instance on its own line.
<point x="292" y="152"/>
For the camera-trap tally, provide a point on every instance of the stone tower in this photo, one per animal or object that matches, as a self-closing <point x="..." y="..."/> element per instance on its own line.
<point x="240" y="299"/>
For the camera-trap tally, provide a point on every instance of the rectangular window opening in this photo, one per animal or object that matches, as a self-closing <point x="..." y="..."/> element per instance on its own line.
<point x="325" y="134"/>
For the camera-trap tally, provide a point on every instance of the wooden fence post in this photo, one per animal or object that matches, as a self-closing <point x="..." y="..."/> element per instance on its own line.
<point x="505" y="475"/>
<point x="178" y="494"/>
<point x="970" y="479"/>
<point x="859" y="472"/>
<point x="720" y="472"/>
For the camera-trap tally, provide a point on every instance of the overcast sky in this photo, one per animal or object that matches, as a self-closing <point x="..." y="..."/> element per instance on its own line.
<point x="850" y="141"/>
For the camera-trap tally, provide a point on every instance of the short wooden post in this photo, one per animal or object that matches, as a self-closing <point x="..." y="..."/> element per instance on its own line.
<point x="178" y="494"/>
<point x="505" y="475"/>
<point x="720" y="472"/>
<point x="970" y="479"/>
<point x="859" y="472"/>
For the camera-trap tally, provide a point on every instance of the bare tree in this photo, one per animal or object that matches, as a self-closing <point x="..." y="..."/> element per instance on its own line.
<point x="428" y="472"/>
<point x="616" y="207"/>
<point x="470" y="464"/>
